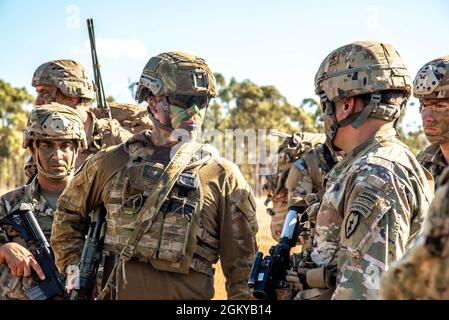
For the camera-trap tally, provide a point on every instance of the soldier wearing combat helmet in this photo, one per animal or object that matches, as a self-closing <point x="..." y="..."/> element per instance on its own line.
<point x="54" y="134"/>
<point x="431" y="87"/>
<point x="67" y="82"/>
<point x="377" y="196"/>
<point x="174" y="208"/>
<point x="423" y="271"/>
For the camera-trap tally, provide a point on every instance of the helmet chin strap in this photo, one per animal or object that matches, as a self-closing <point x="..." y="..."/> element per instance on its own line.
<point x="374" y="109"/>
<point x="58" y="176"/>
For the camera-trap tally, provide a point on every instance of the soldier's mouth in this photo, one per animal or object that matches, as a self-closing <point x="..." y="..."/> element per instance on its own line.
<point x="432" y="130"/>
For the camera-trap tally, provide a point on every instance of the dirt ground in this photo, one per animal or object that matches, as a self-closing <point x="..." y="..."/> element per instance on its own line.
<point x="265" y="242"/>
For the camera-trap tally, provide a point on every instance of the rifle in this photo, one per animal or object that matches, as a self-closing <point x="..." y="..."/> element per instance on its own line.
<point x="268" y="273"/>
<point x="90" y="257"/>
<point x="101" y="99"/>
<point x="24" y="221"/>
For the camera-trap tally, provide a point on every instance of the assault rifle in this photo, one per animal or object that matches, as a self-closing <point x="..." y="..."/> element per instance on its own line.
<point x="24" y="221"/>
<point x="90" y="257"/>
<point x="268" y="273"/>
<point x="101" y="99"/>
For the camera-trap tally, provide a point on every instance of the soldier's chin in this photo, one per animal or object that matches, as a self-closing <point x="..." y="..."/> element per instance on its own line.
<point x="437" y="139"/>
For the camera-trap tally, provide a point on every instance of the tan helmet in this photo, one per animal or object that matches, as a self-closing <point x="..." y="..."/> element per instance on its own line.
<point x="432" y="80"/>
<point x="69" y="76"/>
<point x="359" y="68"/>
<point x="176" y="73"/>
<point x="54" y="121"/>
<point x="362" y="67"/>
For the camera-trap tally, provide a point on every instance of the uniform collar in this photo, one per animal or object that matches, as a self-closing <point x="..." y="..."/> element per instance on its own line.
<point x="385" y="133"/>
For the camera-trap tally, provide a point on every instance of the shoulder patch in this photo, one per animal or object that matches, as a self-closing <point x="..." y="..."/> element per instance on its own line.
<point x="351" y="223"/>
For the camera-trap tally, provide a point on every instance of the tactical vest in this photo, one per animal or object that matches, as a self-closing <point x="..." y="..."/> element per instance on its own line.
<point x="176" y="236"/>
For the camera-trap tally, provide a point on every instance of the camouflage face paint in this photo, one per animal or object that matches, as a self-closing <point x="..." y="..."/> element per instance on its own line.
<point x="189" y="119"/>
<point x="435" y="117"/>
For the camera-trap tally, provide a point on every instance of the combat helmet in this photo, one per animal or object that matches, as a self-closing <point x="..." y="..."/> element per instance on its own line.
<point x="359" y="68"/>
<point x="54" y="122"/>
<point x="432" y="80"/>
<point x="69" y="76"/>
<point x="181" y="78"/>
<point x="176" y="73"/>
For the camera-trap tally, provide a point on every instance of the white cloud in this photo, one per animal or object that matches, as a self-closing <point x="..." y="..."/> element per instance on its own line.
<point x="116" y="49"/>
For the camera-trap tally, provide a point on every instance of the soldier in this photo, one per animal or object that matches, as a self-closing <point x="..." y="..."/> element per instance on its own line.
<point x="378" y="194"/>
<point x="292" y="148"/>
<point x="430" y="87"/>
<point x="172" y="211"/>
<point x="423" y="271"/>
<point x="307" y="176"/>
<point x="53" y="135"/>
<point x="67" y="82"/>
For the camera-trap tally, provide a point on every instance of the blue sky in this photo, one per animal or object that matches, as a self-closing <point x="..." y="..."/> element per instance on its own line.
<point x="270" y="42"/>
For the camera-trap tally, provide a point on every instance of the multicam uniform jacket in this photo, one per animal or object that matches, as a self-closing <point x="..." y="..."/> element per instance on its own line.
<point x="375" y="203"/>
<point x="433" y="160"/>
<point x="423" y="272"/>
<point x="121" y="177"/>
<point x="13" y="287"/>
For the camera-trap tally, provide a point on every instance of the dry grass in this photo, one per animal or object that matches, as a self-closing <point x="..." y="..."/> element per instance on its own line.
<point x="264" y="240"/>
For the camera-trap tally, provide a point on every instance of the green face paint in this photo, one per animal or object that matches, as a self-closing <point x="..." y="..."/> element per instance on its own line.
<point x="189" y="119"/>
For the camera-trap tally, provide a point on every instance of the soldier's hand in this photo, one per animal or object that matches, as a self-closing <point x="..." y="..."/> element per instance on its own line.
<point x="20" y="260"/>
<point x="293" y="280"/>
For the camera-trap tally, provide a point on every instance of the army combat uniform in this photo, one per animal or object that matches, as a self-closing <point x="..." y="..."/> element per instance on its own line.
<point x="14" y="287"/>
<point x="44" y="123"/>
<point x="277" y="186"/>
<point x="377" y="195"/>
<point x="120" y="178"/>
<point x="423" y="272"/>
<point x="308" y="173"/>
<point x="433" y="160"/>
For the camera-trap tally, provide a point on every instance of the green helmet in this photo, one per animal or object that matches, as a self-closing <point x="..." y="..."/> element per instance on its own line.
<point x="176" y="73"/>
<point x="432" y="80"/>
<point x="54" y="121"/>
<point x="359" y="68"/>
<point x="68" y="76"/>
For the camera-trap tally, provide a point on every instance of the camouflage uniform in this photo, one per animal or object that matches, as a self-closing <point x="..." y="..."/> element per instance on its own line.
<point x="72" y="79"/>
<point x="370" y="200"/>
<point x="423" y="271"/>
<point x="431" y="84"/>
<point x="105" y="133"/>
<point x="433" y="160"/>
<point x="378" y="194"/>
<point x="308" y="173"/>
<point x="290" y="150"/>
<point x="174" y="257"/>
<point x="14" y="287"/>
